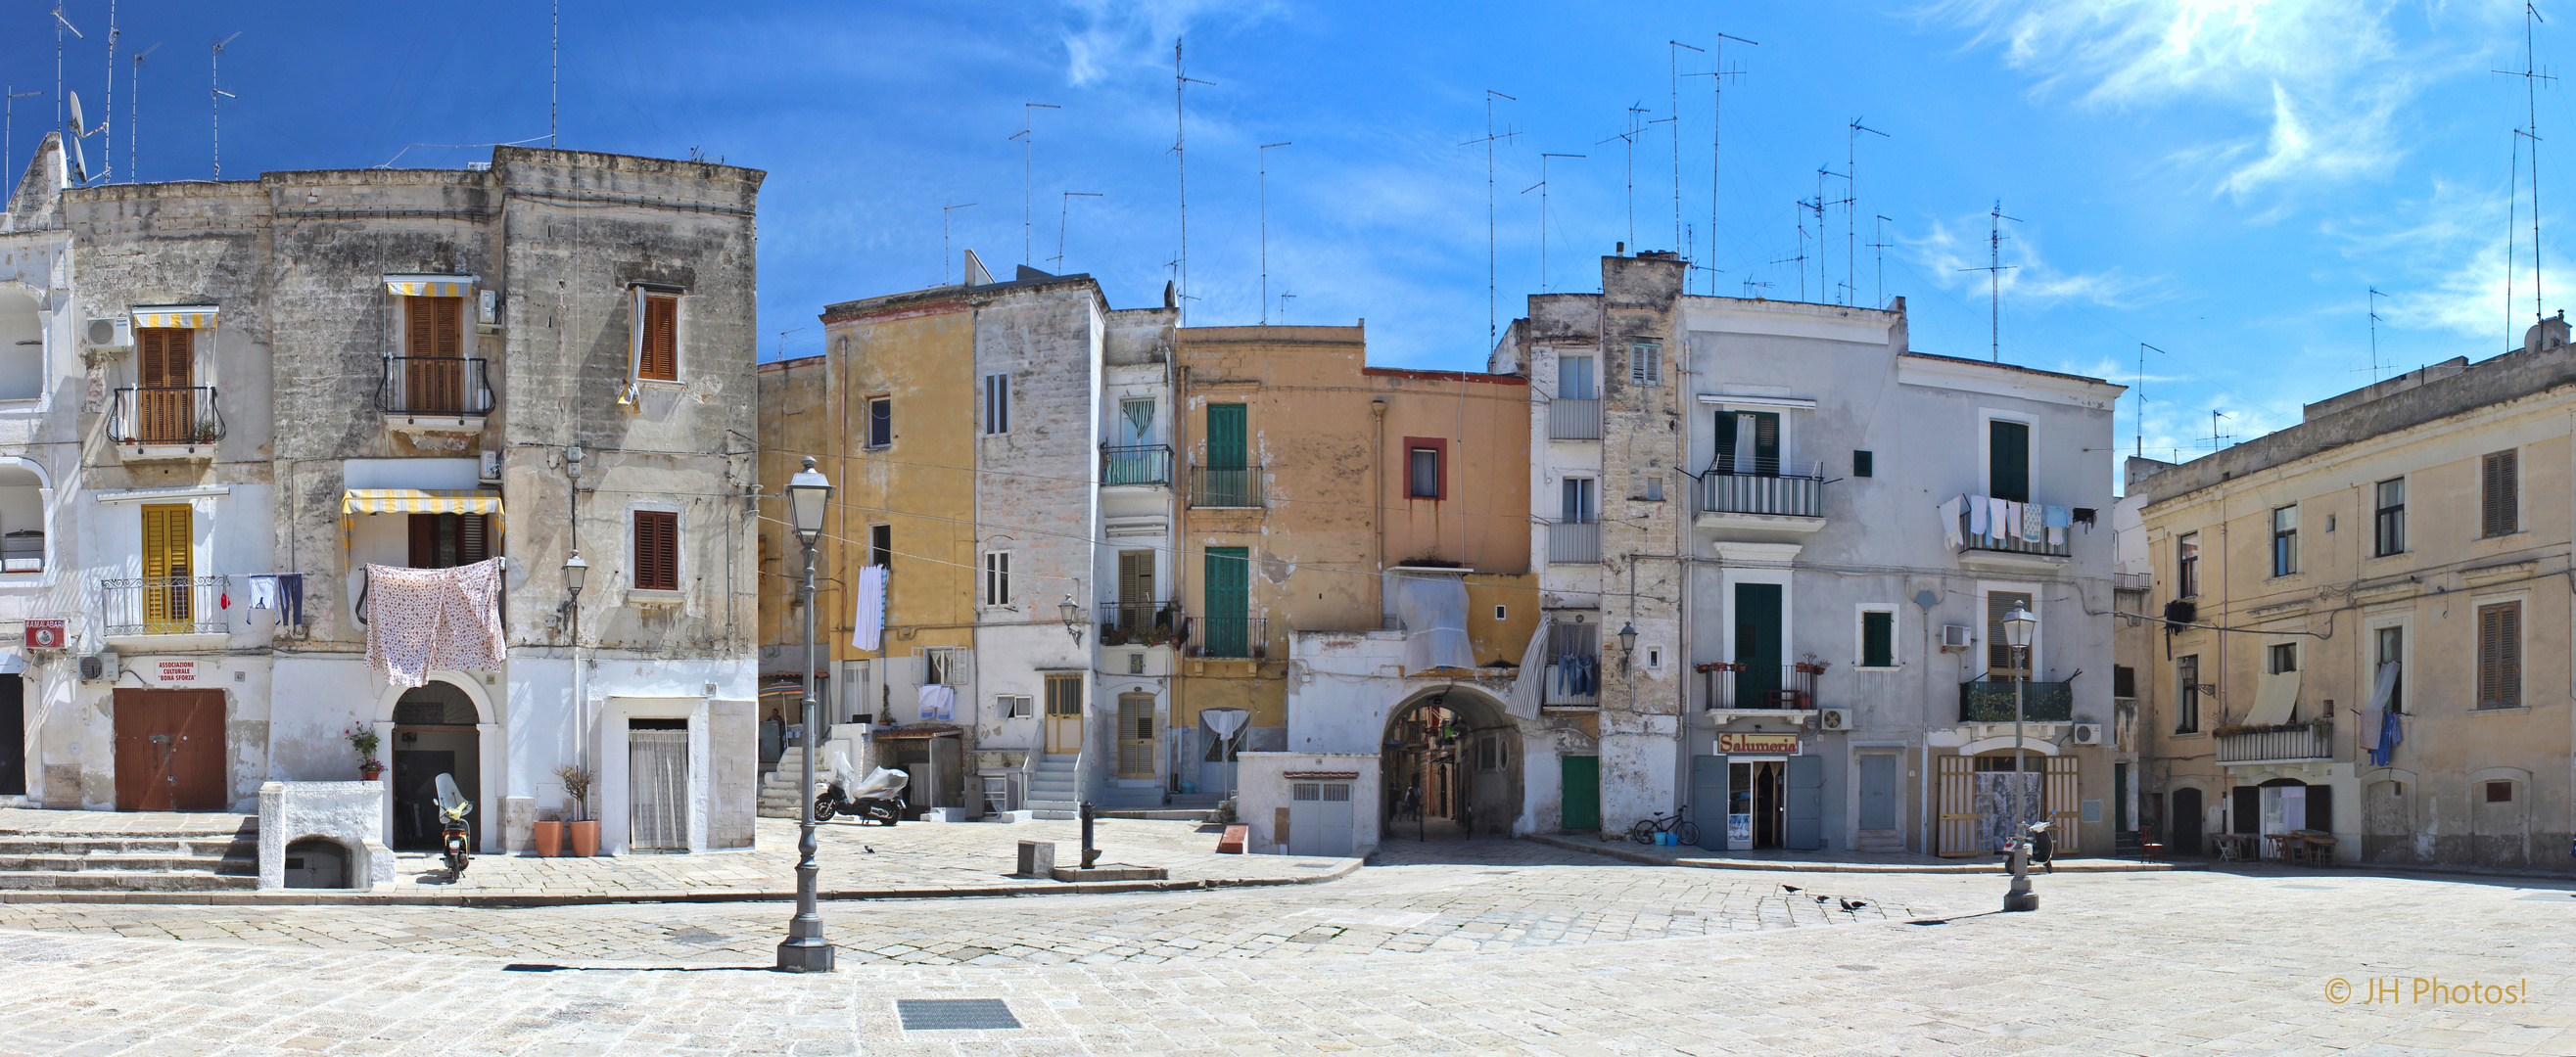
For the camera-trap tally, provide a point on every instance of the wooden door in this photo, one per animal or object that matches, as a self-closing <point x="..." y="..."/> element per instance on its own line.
<point x="1955" y="791"/>
<point x="165" y="405"/>
<point x="169" y="600"/>
<point x="2058" y="797"/>
<point x="1708" y="800"/>
<point x="1135" y="591"/>
<point x="1063" y="714"/>
<point x="169" y="750"/>
<point x="1135" y="735"/>
<point x="1581" y="799"/>
<point x="434" y="350"/>
<point x="1878" y="793"/>
<point x="1757" y="645"/>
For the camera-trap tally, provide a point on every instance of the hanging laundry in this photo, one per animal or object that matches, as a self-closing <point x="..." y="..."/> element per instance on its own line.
<point x="1950" y="521"/>
<point x="2058" y="521"/>
<point x="420" y="620"/>
<point x="938" y="703"/>
<point x="867" y="629"/>
<point x="1979" y="513"/>
<point x="2000" y="513"/>
<point x="263" y="592"/>
<point x="290" y="599"/>
<point x="2033" y="518"/>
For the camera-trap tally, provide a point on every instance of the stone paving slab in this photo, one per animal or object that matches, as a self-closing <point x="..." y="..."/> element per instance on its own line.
<point x="1825" y="862"/>
<point x="910" y="861"/>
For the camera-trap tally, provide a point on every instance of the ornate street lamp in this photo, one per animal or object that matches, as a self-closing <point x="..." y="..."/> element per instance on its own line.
<point x="1072" y="615"/>
<point x="804" y="950"/>
<point x="2018" y="626"/>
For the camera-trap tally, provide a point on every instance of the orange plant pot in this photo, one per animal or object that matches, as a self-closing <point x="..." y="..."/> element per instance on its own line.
<point x="549" y="840"/>
<point x="585" y="838"/>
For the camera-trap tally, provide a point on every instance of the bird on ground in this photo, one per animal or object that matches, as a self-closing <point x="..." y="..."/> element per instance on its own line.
<point x="1821" y="899"/>
<point x="867" y="849"/>
<point x="1853" y="904"/>
<point x="1790" y="888"/>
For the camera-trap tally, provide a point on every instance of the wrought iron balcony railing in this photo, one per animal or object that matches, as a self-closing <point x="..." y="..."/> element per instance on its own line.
<point x="2305" y="741"/>
<point x="1134" y="464"/>
<point x="1140" y="624"/>
<point x="1991" y="701"/>
<point x="1238" y="486"/>
<point x="1228" y="636"/>
<point x="166" y="414"/>
<point x="1732" y="493"/>
<point x="434" y="385"/>
<point x="163" y="605"/>
<point x="1760" y="686"/>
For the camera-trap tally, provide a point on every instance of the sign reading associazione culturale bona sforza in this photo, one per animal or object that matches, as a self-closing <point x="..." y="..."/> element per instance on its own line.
<point x="1757" y="744"/>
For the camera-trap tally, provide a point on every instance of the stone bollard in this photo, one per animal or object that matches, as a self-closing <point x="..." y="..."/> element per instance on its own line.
<point x="1037" y="858"/>
<point x="1090" y="855"/>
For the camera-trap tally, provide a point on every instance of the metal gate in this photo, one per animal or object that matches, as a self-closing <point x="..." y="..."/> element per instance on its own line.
<point x="657" y="790"/>
<point x="1319" y="819"/>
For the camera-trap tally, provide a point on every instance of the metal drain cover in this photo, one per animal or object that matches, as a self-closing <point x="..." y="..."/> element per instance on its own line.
<point x="955" y="1014"/>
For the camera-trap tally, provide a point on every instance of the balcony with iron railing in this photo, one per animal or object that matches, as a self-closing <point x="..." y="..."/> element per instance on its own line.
<point x="148" y="422"/>
<point x="162" y="605"/>
<point x="1574" y="542"/>
<point x="1136" y="464"/>
<point x="2289" y="743"/>
<point x="1745" y="687"/>
<point x="1569" y="419"/>
<point x="1237" y="487"/>
<point x="1761" y="494"/>
<point x="1991" y="701"/>
<point x="1571" y="679"/>
<point x="1241" y="637"/>
<point x="434" y="387"/>
<point x="1141" y="624"/>
<point x="2033" y="540"/>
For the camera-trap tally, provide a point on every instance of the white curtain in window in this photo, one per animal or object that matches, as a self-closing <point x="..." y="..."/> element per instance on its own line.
<point x="657" y="781"/>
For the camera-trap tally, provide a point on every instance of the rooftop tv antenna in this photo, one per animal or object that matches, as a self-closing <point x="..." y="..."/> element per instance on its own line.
<point x="107" y="113"/>
<point x="1629" y="136"/>
<point x="1878" y="241"/>
<point x="1064" y="216"/>
<point x="133" y="117"/>
<point x="2216" y="438"/>
<point x="1488" y="140"/>
<point x="8" y="136"/>
<point x="1541" y="188"/>
<point x="1824" y="285"/>
<point x="2142" y="395"/>
<point x="554" y="76"/>
<point x="1994" y="269"/>
<point x="944" y="213"/>
<point x="1028" y="137"/>
<point x="1181" y="81"/>
<point x="1716" y="113"/>
<point x="1673" y="52"/>
<point x="1851" y="205"/>
<point x="2375" y="295"/>
<point x="1283" y="308"/>
<point x="1753" y="289"/>
<point x="1263" y="155"/>
<point x="214" y="80"/>
<point x="61" y="23"/>
<point x="2531" y="78"/>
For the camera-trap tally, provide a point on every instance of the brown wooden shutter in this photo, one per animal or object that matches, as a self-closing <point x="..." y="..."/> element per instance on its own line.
<point x="424" y="541"/>
<point x="2500" y="655"/>
<point x="2498" y="495"/>
<point x="657" y="550"/>
<point x="661" y="360"/>
<point x="167" y="359"/>
<point x="473" y="543"/>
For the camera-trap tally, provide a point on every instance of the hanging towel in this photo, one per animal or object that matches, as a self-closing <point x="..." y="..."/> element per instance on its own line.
<point x="2389" y="735"/>
<point x="263" y="592"/>
<point x="868" y="628"/>
<point x="2000" y="513"/>
<point x="420" y="620"/>
<point x="2033" y="518"/>
<point x="1979" y="510"/>
<point x="2060" y="517"/>
<point x="290" y="599"/>
<point x="1950" y="521"/>
<point x="938" y="702"/>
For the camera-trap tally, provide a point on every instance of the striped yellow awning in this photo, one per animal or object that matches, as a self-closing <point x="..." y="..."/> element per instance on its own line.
<point x="184" y="317"/>
<point x="430" y="285"/>
<point x="358" y="501"/>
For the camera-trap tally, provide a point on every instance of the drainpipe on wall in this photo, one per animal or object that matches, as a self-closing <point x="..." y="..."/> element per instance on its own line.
<point x="1377" y="499"/>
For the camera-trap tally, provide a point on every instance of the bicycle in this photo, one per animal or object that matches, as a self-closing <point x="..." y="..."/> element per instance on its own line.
<point x="1644" y="831"/>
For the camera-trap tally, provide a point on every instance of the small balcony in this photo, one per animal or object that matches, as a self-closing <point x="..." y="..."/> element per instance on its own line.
<point x="162" y="606"/>
<point x="1761" y="501"/>
<point x="434" y="394"/>
<point x="2010" y="545"/>
<point x="1571" y="680"/>
<point x="2292" y="743"/>
<point x="159" y="423"/>
<point x="1141" y="624"/>
<point x="1227" y="636"/>
<point x="1147" y="465"/>
<point x="1236" y="487"/>
<point x="1745" y="687"/>
<point x="1573" y="419"/>
<point x="1573" y="542"/>
<point x="1991" y="701"/>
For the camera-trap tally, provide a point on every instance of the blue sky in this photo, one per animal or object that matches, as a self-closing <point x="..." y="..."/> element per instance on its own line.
<point x="2222" y="179"/>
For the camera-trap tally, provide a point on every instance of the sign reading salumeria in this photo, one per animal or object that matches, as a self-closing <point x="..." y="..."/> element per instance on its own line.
<point x="1757" y="744"/>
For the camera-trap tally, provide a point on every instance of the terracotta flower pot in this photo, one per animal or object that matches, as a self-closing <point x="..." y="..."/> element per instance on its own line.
<point x="370" y="773"/>
<point x="549" y="840"/>
<point x="585" y="838"/>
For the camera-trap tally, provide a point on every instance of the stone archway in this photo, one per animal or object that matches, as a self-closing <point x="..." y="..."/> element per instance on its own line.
<point x="437" y="729"/>
<point x="1452" y="766"/>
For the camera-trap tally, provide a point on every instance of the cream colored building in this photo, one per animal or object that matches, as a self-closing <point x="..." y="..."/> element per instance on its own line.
<point x="2404" y="550"/>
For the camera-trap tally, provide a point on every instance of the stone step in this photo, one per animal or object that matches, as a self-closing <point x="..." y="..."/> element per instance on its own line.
<point x="208" y="846"/>
<point x="103" y="881"/>
<point x="244" y="866"/>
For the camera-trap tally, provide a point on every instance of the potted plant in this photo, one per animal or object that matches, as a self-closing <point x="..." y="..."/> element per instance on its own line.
<point x="547" y="841"/>
<point x="363" y="738"/>
<point x="585" y="829"/>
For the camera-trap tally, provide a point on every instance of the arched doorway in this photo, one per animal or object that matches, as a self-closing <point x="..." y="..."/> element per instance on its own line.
<point x="1452" y="767"/>
<point x="434" y="733"/>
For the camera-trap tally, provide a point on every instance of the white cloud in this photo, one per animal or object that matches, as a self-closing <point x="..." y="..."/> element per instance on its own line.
<point x="2327" y="79"/>
<point x="1956" y="258"/>
<point x="1108" y="38"/>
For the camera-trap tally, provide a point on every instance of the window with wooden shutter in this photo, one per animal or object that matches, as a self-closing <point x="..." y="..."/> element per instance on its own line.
<point x="1645" y="363"/>
<point x="2187" y="695"/>
<point x="2499" y="501"/>
<point x="1135" y="590"/>
<point x="1999" y="654"/>
<point x="2008" y="460"/>
<point x="657" y="550"/>
<point x="165" y="410"/>
<point x="1135" y="735"/>
<point x="168" y="532"/>
<point x="659" y="359"/>
<point x="433" y="368"/>
<point x="2500" y="655"/>
<point x="1878" y="638"/>
<point x="997" y="578"/>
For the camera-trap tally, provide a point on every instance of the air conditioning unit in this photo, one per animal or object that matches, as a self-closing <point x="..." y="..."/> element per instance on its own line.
<point x="488" y="467"/>
<point x="1955" y="637"/>
<point x="112" y="332"/>
<point x="101" y="666"/>
<point x="2088" y="734"/>
<point x="1834" y="718"/>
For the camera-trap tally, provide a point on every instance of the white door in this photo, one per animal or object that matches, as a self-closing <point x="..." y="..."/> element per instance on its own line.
<point x="1319" y="819"/>
<point x="657" y="790"/>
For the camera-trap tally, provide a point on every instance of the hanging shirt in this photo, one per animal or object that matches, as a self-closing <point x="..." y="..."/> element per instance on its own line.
<point x="1979" y="511"/>
<point x="1950" y="521"/>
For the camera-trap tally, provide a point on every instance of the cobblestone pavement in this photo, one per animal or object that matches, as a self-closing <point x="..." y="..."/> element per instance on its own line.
<point x="1493" y="947"/>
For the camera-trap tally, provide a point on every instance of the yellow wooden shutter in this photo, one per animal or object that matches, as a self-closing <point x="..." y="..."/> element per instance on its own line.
<point x="166" y="533"/>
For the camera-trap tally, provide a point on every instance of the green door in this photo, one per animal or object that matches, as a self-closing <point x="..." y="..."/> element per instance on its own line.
<point x="1757" y="644"/>
<point x="2008" y="460"/>
<point x="1229" y="480"/>
<point x="1582" y="796"/>
<point x="1229" y="598"/>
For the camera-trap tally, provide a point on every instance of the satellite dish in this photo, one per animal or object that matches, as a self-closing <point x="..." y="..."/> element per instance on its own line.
<point x="79" y="127"/>
<point x="1926" y="599"/>
<point x="80" y="163"/>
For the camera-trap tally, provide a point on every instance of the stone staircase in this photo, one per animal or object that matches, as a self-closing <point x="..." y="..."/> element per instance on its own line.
<point x="1055" y="788"/>
<point x="778" y="789"/>
<point x="127" y="853"/>
<point x="1882" y="840"/>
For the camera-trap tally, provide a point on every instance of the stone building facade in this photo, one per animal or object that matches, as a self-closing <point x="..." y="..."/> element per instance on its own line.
<point x="320" y="371"/>
<point x="42" y="388"/>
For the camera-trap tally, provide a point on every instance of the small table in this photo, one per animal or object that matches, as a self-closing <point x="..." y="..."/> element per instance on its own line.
<point x="2320" y="846"/>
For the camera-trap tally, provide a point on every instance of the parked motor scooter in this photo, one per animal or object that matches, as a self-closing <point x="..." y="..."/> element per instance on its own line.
<point x="454" y="837"/>
<point x="877" y="800"/>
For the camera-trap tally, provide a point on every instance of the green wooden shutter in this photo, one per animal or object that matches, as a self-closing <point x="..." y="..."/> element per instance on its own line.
<point x="1725" y="463"/>
<point x="1228" y="601"/>
<point x="1225" y="448"/>
<point x="1878" y="640"/>
<point x="2008" y="460"/>
<point x="1757" y="643"/>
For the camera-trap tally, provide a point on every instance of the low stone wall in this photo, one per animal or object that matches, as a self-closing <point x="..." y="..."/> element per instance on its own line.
<point x="351" y="813"/>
